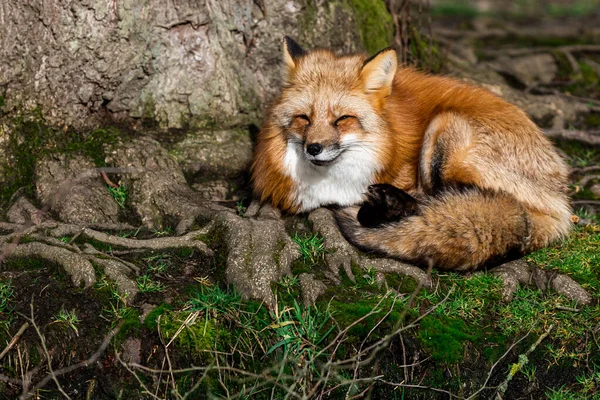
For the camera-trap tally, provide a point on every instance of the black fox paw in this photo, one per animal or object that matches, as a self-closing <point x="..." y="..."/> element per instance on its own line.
<point x="386" y="203"/>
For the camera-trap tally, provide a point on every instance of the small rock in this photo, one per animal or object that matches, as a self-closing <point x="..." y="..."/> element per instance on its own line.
<point x="595" y="189"/>
<point x="146" y="309"/>
<point x="132" y="349"/>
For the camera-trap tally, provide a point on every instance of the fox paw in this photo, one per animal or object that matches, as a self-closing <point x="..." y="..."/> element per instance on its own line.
<point x="386" y="203"/>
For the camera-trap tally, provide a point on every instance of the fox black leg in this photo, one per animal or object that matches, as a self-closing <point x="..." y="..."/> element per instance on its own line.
<point x="386" y="203"/>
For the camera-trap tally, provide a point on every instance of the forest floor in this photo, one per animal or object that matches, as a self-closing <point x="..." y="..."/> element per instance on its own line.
<point x="135" y="303"/>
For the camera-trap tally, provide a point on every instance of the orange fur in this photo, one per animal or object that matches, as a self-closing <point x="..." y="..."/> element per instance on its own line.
<point x="426" y="134"/>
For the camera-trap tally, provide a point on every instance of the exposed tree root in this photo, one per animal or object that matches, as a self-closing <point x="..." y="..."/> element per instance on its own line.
<point x="260" y="252"/>
<point x="519" y="272"/>
<point x="342" y="254"/>
<point x="157" y="244"/>
<point x="78" y="267"/>
<point x="590" y="138"/>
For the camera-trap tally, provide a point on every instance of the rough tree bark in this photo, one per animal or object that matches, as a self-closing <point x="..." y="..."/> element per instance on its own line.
<point x="177" y="62"/>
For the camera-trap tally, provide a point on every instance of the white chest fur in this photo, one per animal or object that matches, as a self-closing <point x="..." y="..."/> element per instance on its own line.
<point x="343" y="182"/>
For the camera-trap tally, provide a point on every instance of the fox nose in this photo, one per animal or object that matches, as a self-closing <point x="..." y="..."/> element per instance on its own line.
<point x="314" y="149"/>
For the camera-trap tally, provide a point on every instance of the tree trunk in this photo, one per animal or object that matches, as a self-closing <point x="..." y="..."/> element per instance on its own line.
<point x="175" y="62"/>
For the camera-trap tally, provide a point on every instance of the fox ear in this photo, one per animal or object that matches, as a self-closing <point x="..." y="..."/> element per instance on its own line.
<point x="291" y="53"/>
<point x="378" y="72"/>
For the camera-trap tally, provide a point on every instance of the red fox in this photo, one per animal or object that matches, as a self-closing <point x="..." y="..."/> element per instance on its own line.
<point x="443" y="172"/>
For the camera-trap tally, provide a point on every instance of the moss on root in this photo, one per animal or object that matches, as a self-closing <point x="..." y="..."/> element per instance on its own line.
<point x="28" y="138"/>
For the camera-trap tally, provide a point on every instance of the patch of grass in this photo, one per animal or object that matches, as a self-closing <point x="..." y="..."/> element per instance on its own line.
<point x="562" y="394"/>
<point x="444" y="337"/>
<point x="473" y="298"/>
<point x="214" y="300"/>
<point x="167" y="231"/>
<point x="532" y="310"/>
<point x="299" y="330"/>
<point x="65" y="239"/>
<point x="577" y="256"/>
<point x="591" y="216"/>
<point x="590" y="383"/>
<point x="289" y="283"/>
<point x="7" y="293"/>
<point x="159" y="267"/>
<point x="370" y="276"/>
<point x="240" y="207"/>
<point x="147" y="285"/>
<point x="119" y="194"/>
<point x="581" y="156"/>
<point x="116" y="302"/>
<point x="312" y="247"/>
<point x="68" y="319"/>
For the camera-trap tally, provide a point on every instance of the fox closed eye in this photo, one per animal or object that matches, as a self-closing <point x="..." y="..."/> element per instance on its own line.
<point x="303" y="117"/>
<point x="342" y="118"/>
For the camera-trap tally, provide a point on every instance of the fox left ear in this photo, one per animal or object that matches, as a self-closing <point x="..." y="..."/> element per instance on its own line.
<point x="378" y="72"/>
<point x="291" y="54"/>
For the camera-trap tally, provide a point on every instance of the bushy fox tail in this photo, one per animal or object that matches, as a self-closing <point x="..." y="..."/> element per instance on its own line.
<point x="459" y="230"/>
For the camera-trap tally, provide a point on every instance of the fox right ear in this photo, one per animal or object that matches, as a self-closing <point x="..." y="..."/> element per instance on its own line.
<point x="291" y="53"/>
<point x="378" y="72"/>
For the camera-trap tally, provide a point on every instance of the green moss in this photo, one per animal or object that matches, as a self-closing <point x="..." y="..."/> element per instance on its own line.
<point x="586" y="82"/>
<point x="444" y="338"/>
<point x="216" y="241"/>
<point x="374" y="23"/>
<point x="198" y="336"/>
<point x="29" y="138"/>
<point x="346" y="309"/>
<point x="131" y="324"/>
<point x="578" y="256"/>
<point x="401" y="283"/>
<point x="592" y="120"/>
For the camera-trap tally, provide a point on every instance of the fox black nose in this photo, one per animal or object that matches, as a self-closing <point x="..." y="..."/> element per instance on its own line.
<point x="314" y="149"/>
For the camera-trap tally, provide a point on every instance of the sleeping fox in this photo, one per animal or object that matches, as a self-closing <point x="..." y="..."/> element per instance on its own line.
<point x="443" y="172"/>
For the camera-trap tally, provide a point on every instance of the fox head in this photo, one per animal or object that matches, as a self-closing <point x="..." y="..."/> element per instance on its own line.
<point x="331" y="104"/>
<point x="325" y="138"/>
